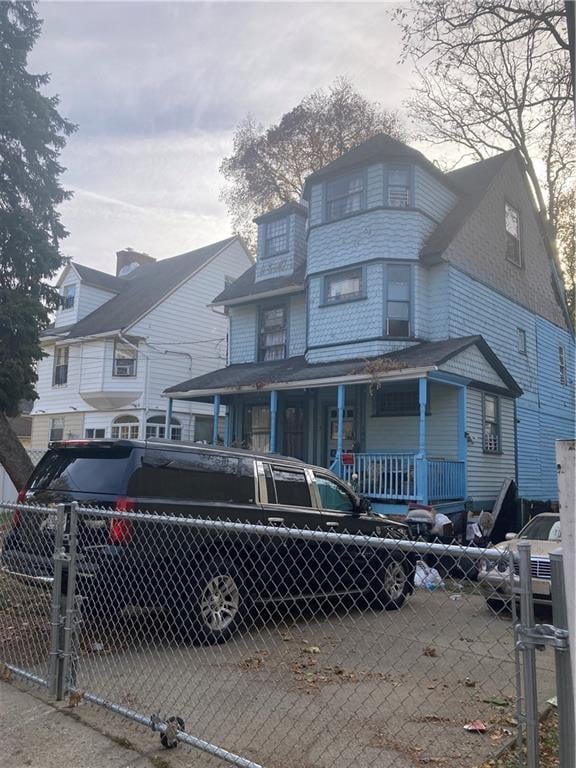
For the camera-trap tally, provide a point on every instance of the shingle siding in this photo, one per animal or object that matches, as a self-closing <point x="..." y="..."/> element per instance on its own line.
<point x="431" y="196"/>
<point x="297" y="326"/>
<point x="243" y="326"/>
<point x="472" y="364"/>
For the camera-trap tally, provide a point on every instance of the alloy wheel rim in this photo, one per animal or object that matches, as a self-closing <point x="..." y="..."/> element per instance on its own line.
<point x="220" y="602"/>
<point x="394" y="581"/>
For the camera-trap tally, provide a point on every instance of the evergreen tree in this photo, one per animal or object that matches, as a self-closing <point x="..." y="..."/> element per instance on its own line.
<point x="32" y="134"/>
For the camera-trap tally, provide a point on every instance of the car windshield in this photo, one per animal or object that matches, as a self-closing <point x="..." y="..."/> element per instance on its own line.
<point x="542" y="529"/>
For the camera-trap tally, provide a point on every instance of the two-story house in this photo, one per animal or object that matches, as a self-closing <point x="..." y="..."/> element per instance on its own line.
<point x="118" y="340"/>
<point x="404" y="325"/>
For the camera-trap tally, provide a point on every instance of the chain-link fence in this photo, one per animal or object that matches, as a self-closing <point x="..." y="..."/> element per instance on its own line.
<point x="268" y="645"/>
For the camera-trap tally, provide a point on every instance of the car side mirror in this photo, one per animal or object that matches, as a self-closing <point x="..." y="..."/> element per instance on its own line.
<point x="510" y="536"/>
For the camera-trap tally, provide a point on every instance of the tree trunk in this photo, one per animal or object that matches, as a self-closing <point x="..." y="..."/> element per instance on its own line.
<point x="13" y="455"/>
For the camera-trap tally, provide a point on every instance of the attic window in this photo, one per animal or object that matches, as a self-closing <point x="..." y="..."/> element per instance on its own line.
<point x="68" y="296"/>
<point x="276" y="237"/>
<point x="513" y="250"/>
<point x="399" y="194"/>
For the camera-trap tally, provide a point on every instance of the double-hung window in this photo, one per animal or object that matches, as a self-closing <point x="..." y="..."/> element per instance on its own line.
<point x="513" y="249"/>
<point x="273" y="333"/>
<point x="60" y="372"/>
<point x="343" y="286"/>
<point x="522" y="346"/>
<point x="563" y="367"/>
<point x="398" y="300"/>
<point x="124" y="359"/>
<point x="344" y="197"/>
<point x="68" y="296"/>
<point x="276" y="237"/>
<point x="56" y="429"/>
<point x="94" y="433"/>
<point x="399" y="192"/>
<point x="491" y="424"/>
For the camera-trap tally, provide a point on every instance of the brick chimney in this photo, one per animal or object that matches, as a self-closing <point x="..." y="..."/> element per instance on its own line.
<point x="128" y="259"/>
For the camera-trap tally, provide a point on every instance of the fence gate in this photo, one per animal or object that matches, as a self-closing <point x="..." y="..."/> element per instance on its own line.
<point x="200" y="648"/>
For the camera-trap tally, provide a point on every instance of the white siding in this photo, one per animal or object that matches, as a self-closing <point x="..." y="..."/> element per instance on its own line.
<point x="90" y="298"/>
<point x="68" y="316"/>
<point x="486" y="472"/>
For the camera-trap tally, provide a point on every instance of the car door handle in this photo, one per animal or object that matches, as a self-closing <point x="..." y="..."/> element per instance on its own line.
<point x="332" y="524"/>
<point x="275" y="520"/>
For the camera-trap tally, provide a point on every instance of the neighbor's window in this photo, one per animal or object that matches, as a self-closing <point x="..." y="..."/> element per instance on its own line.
<point x="125" y="428"/>
<point x="156" y="427"/>
<point x="256" y="431"/>
<point x="522" y="341"/>
<point x="291" y="487"/>
<point x="513" y="252"/>
<point x="60" y="372"/>
<point x="56" y="429"/>
<point x="343" y="286"/>
<point x="398" y="301"/>
<point x="124" y="359"/>
<point x="68" y="296"/>
<point x="344" y="196"/>
<point x="273" y="333"/>
<point x="563" y="366"/>
<point x="491" y="424"/>
<point x="94" y="433"/>
<point x="276" y="237"/>
<point x="399" y="194"/>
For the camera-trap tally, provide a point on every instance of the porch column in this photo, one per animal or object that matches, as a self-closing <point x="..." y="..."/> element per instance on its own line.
<point x="216" y="415"/>
<point x="423" y="474"/>
<point x="227" y="427"/>
<point x="462" y="443"/>
<point x="341" y="404"/>
<point x="273" y="412"/>
<point x="168" y="419"/>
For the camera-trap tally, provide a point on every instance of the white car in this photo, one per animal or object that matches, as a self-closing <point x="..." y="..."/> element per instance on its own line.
<point x="543" y="534"/>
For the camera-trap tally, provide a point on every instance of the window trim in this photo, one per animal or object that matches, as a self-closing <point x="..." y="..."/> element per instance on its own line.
<point x="266" y="308"/>
<point x="267" y="237"/>
<point x="115" y="360"/>
<point x="410" y="302"/>
<point x="520" y="262"/>
<point x="399" y="167"/>
<point x="363" y="197"/>
<point x="488" y="451"/>
<point x="127" y="420"/>
<point x="66" y="303"/>
<point x="360" y="296"/>
<point x="64" y="348"/>
<point x="522" y="342"/>
<point x="563" y="365"/>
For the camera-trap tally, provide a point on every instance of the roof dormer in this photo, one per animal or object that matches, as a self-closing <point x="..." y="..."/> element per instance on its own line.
<point x="281" y="241"/>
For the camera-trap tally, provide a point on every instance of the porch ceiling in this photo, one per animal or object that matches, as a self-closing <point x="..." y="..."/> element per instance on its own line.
<point x="297" y="373"/>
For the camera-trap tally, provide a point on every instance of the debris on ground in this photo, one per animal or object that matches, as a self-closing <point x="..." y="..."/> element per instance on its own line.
<point x="476" y="726"/>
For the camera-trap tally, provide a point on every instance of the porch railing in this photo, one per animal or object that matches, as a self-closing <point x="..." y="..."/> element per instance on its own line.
<point x="446" y="479"/>
<point x="385" y="476"/>
<point x="403" y="476"/>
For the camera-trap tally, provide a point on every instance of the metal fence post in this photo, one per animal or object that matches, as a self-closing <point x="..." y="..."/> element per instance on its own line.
<point x="564" y="688"/>
<point x="529" y="656"/>
<point x="55" y="619"/>
<point x="70" y="605"/>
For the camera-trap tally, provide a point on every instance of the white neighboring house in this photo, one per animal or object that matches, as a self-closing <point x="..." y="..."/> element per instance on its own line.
<point x="119" y="340"/>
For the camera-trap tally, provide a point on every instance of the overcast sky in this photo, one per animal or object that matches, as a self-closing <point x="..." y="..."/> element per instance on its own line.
<point x="158" y="88"/>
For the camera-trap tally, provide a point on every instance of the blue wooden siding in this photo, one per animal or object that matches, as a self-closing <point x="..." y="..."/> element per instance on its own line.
<point x="430" y="195"/>
<point x="379" y="234"/>
<point x="297" y="325"/>
<point x="243" y="322"/>
<point x="474" y="308"/>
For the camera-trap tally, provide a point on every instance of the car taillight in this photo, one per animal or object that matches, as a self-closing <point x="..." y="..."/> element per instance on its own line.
<point x="121" y="529"/>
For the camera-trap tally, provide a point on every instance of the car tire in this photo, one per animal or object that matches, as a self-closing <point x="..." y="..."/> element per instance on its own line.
<point x="498" y="604"/>
<point x="390" y="585"/>
<point x="213" y="608"/>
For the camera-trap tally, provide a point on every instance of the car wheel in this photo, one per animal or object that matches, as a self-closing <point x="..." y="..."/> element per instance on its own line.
<point x="214" y="610"/>
<point x="390" y="586"/>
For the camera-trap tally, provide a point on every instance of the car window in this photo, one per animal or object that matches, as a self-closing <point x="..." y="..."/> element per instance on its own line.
<point x="87" y="470"/>
<point x="542" y="528"/>
<point x="291" y="487"/>
<point x="195" y="477"/>
<point x="333" y="496"/>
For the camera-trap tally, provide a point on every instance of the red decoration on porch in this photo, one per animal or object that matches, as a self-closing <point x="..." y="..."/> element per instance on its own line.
<point x="348" y="459"/>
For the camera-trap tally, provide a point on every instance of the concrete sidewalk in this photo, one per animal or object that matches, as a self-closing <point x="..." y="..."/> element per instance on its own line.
<point x="38" y="734"/>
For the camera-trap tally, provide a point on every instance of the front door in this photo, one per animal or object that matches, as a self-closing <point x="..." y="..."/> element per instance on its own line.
<point x="349" y="441"/>
<point x="294" y="438"/>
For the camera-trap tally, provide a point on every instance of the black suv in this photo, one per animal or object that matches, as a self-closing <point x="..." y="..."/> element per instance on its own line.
<point x="206" y="580"/>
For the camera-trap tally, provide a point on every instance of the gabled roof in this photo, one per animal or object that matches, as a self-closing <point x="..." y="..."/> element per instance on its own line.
<point x="97" y="279"/>
<point x="265" y="376"/>
<point x="141" y="291"/>
<point x="379" y="147"/>
<point x="246" y="287"/>
<point x="471" y="183"/>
